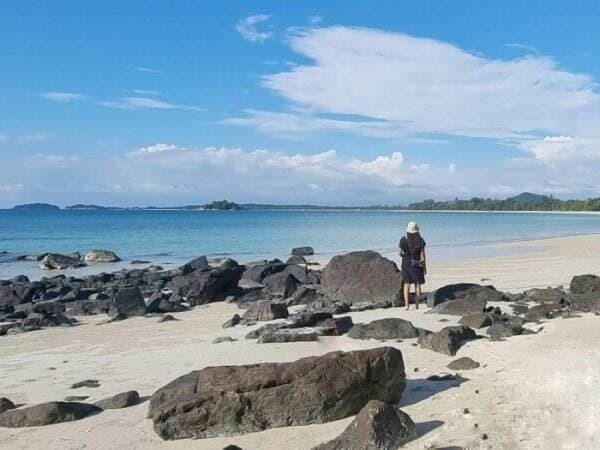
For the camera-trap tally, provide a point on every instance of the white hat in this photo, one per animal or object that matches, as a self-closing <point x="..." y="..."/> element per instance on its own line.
<point x="412" y="227"/>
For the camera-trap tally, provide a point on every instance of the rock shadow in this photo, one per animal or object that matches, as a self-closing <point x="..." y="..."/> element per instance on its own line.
<point x="425" y="427"/>
<point x="419" y="389"/>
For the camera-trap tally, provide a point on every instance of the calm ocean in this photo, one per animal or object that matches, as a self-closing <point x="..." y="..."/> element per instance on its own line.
<point x="175" y="236"/>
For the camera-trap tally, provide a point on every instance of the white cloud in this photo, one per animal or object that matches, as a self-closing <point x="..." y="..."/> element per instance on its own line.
<point x="555" y="149"/>
<point x="63" y="97"/>
<point x="156" y="148"/>
<point x="145" y="103"/>
<point x="401" y="85"/>
<point x="3" y="138"/>
<point x="314" y="20"/>
<point x="145" y="92"/>
<point x="149" y="70"/>
<point x="248" y="28"/>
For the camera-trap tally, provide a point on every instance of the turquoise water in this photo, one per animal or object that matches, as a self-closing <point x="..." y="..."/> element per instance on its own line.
<point x="174" y="236"/>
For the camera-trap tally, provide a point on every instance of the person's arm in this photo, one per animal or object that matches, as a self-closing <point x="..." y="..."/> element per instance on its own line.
<point x="401" y="252"/>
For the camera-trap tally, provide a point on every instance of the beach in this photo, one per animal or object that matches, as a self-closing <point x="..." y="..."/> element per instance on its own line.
<point x="531" y="391"/>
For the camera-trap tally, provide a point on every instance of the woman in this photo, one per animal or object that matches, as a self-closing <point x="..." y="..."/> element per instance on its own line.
<point x="412" y="251"/>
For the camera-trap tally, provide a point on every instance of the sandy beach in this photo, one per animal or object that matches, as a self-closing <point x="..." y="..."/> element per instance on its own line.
<point x="532" y="391"/>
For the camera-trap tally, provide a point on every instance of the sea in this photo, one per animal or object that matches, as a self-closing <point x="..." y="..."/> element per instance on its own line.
<point x="171" y="237"/>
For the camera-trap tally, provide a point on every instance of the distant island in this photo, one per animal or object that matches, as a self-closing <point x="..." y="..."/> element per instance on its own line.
<point x="525" y="201"/>
<point x="37" y="207"/>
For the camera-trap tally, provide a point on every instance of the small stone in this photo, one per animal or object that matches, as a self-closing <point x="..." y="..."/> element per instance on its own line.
<point x="166" y="318"/>
<point x="444" y="377"/>
<point x="466" y="411"/>
<point x="86" y="383"/>
<point x="76" y="398"/>
<point x="222" y="339"/>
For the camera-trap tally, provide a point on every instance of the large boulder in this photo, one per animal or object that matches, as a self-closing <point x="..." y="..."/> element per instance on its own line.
<point x="281" y="284"/>
<point x="203" y="286"/>
<point x="448" y="340"/>
<point x="390" y="328"/>
<point x="466" y="291"/>
<point x="122" y="400"/>
<point x="584" y="284"/>
<point x="461" y="307"/>
<point x="283" y="335"/>
<point x="231" y="400"/>
<point x="55" y="261"/>
<point x="362" y="276"/>
<point x="200" y="263"/>
<point x="46" y="414"/>
<point x="378" y="426"/>
<point x="265" y="310"/>
<point x="127" y="302"/>
<point x="476" y="320"/>
<point x="101" y="256"/>
<point x="258" y="272"/>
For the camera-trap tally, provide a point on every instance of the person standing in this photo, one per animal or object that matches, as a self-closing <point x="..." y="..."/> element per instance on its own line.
<point x="412" y="251"/>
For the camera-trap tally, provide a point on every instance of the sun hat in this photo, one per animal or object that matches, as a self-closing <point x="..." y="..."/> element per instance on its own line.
<point x="412" y="227"/>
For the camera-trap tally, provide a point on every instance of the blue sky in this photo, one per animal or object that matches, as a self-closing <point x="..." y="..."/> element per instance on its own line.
<point x="323" y="102"/>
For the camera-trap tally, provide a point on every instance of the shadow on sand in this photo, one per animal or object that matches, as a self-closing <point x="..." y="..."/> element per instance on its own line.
<point x="421" y="388"/>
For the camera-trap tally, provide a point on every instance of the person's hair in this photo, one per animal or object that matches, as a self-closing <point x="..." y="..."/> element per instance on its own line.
<point x="414" y="242"/>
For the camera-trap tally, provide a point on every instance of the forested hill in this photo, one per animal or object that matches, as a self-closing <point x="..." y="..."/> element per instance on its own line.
<point x="522" y="202"/>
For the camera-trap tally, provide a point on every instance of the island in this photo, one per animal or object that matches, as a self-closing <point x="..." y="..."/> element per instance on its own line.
<point x="223" y="205"/>
<point x="37" y="207"/>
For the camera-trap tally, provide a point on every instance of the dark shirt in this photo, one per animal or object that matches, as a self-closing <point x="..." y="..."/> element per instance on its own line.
<point x="407" y="255"/>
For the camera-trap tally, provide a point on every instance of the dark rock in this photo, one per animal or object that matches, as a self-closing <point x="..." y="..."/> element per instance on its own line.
<point x="101" y="256"/>
<point x="86" y="383"/>
<point x="390" y="328"/>
<point x="128" y="302"/>
<point x="296" y="260"/>
<point x="335" y="327"/>
<point x="461" y="307"/>
<point x="464" y="363"/>
<point x="48" y="307"/>
<point x="258" y="272"/>
<point x="584" y="284"/>
<point x="222" y="339"/>
<point x="167" y="318"/>
<point x="546" y="295"/>
<point x="139" y="261"/>
<point x="235" y="320"/>
<point x="519" y="308"/>
<point x="281" y="284"/>
<point x="200" y="263"/>
<point x="122" y="400"/>
<point x="542" y="311"/>
<point x="308" y="318"/>
<point x="444" y="377"/>
<point x="303" y="251"/>
<point x="6" y="404"/>
<point x="467" y="291"/>
<point x="46" y="414"/>
<point x="76" y="398"/>
<point x="269" y="327"/>
<point x="448" y="340"/>
<point x="229" y="400"/>
<point x="304" y="295"/>
<point x="55" y="261"/>
<point x="378" y="426"/>
<point x="367" y="306"/>
<point x="476" y="320"/>
<point x="232" y="447"/>
<point x="288" y="335"/>
<point x="504" y="330"/>
<point x="266" y="310"/>
<point x="201" y="287"/>
<point x="361" y="276"/>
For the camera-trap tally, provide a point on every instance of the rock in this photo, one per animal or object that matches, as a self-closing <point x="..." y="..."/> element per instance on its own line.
<point x="519" y="308"/>
<point x="296" y="260"/>
<point x="258" y="272"/>
<point x="467" y="291"/>
<point x="86" y="383"/>
<point x="101" y="256"/>
<point x="476" y="320"/>
<point x="235" y="320"/>
<point x="55" y="261"/>
<point x="308" y="318"/>
<point x="139" y="261"/>
<point x="448" y="340"/>
<point x="204" y="286"/>
<point x="255" y="334"/>
<point x="464" y="363"/>
<point x="6" y="404"/>
<point x="281" y="284"/>
<point x="167" y="318"/>
<point x="443" y="377"/>
<point x="222" y="339"/>
<point x="390" y="328"/>
<point x="265" y="310"/>
<point x="232" y="447"/>
<point x="231" y="400"/>
<point x="378" y="426"/>
<point x="542" y="311"/>
<point x="200" y="263"/>
<point x="128" y="302"/>
<point x="288" y="335"/>
<point x="46" y="414"/>
<point x="303" y="251"/>
<point x="76" y="398"/>
<point x="461" y="307"/>
<point x="503" y="330"/>
<point x="335" y="326"/>
<point x="546" y="295"/>
<point x="361" y="276"/>
<point x="584" y="284"/>
<point x="118" y="401"/>
<point x="304" y="295"/>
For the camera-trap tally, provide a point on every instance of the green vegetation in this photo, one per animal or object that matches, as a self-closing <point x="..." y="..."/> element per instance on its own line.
<point x="521" y="202"/>
<point x="37" y="207"/>
<point x="223" y="205"/>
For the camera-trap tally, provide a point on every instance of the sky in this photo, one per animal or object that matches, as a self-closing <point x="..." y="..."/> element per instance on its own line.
<point x="334" y="103"/>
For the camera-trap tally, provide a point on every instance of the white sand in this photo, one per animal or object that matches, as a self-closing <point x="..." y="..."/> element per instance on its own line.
<point x="536" y="391"/>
